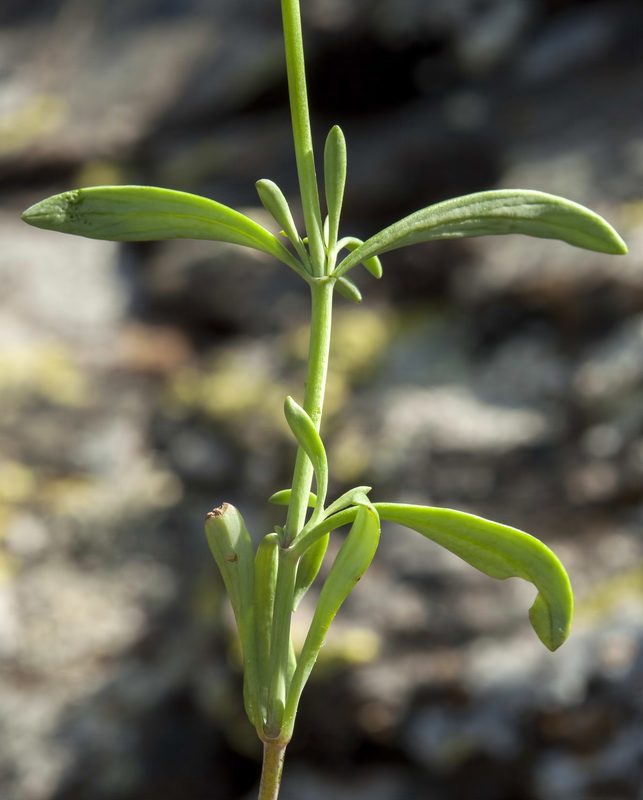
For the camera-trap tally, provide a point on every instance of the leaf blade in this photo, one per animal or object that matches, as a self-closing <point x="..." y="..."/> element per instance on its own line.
<point x="348" y="290"/>
<point x="500" y="552"/>
<point x="308" y="438"/>
<point x="334" y="180"/>
<point x="147" y="213"/>
<point x="276" y="205"/>
<point x="496" y="212"/>
<point x="231" y="546"/>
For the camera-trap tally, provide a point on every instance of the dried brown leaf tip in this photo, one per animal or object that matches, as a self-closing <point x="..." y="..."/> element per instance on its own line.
<point x="217" y="512"/>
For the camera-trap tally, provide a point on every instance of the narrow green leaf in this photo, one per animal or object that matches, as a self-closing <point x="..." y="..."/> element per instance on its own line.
<point x="348" y="290"/>
<point x="351" y="562"/>
<point x="373" y="264"/>
<point x="276" y="205"/>
<point x="282" y="498"/>
<point x="280" y="642"/>
<point x="232" y="549"/>
<point x="145" y="213"/>
<point x="500" y="552"/>
<point x="266" y="565"/>
<point x="309" y="439"/>
<point x="231" y="546"/>
<point x="496" y="212"/>
<point x="313" y="555"/>
<point x="334" y="180"/>
<point x="308" y="568"/>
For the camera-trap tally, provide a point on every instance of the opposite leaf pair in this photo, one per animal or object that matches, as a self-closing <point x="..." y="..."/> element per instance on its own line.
<point x="143" y="213"/>
<point x="263" y="601"/>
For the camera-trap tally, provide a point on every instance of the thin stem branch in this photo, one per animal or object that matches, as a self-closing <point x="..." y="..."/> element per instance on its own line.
<point x="273" y="763"/>
<point x="296" y="70"/>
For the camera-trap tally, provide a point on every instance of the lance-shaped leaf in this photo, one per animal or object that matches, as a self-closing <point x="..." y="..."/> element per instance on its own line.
<point x="310" y="441"/>
<point x="500" y="552"/>
<point x="146" y="213"/>
<point x="334" y="180"/>
<point x="266" y="566"/>
<point x="545" y="216"/>
<point x="351" y="562"/>
<point x="373" y="264"/>
<point x="232" y="549"/>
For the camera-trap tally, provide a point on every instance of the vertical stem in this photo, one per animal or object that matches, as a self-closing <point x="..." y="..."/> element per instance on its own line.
<point x="280" y="644"/>
<point x="318" y="352"/>
<point x="273" y="763"/>
<point x="296" y="70"/>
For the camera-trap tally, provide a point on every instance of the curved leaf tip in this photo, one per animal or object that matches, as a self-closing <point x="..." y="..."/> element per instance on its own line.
<point x="308" y="438"/>
<point x="500" y="552"/>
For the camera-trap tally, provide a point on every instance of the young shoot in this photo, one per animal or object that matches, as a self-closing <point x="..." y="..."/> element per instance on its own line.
<point x="265" y="587"/>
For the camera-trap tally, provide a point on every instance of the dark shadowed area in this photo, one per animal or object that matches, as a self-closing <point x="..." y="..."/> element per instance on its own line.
<point x="142" y="384"/>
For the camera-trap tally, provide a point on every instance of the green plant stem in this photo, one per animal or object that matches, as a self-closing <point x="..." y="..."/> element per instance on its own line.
<point x="280" y="644"/>
<point x="304" y="155"/>
<point x="273" y="762"/>
<point x="318" y="352"/>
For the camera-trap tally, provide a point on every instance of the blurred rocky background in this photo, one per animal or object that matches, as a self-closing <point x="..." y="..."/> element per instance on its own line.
<point x="141" y="385"/>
